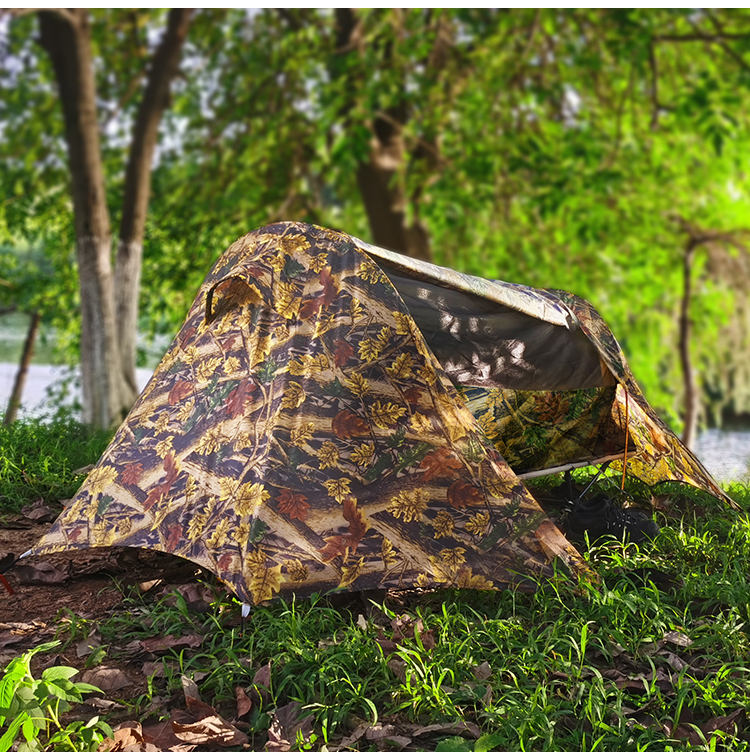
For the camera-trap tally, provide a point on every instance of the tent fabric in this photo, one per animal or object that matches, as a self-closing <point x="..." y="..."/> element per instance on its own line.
<point x="301" y="435"/>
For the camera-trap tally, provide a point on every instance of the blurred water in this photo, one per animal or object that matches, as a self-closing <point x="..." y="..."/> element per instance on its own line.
<point x="726" y="454"/>
<point x="41" y="378"/>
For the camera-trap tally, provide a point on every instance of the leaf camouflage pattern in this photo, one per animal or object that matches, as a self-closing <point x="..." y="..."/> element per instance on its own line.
<point x="330" y="416"/>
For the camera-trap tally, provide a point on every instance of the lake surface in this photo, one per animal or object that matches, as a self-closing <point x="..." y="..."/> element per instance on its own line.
<point x="726" y="454"/>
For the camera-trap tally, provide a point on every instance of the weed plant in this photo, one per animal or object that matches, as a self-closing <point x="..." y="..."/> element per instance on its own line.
<point x="38" y="459"/>
<point x="624" y="663"/>
<point x="31" y="709"/>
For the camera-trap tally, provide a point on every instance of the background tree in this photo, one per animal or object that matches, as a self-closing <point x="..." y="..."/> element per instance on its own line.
<point x="109" y="303"/>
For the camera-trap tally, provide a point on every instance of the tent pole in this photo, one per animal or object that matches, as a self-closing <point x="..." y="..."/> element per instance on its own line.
<point x="627" y="435"/>
<point x="602" y="468"/>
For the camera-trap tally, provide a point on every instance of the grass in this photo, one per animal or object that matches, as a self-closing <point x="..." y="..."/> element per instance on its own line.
<point x="612" y="666"/>
<point x="653" y="657"/>
<point x="38" y="460"/>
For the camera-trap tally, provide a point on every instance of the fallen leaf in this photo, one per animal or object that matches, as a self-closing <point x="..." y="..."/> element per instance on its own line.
<point x="427" y="639"/>
<point x="128" y="737"/>
<point x="202" y="724"/>
<point x="730" y="724"/>
<point x="678" y="638"/>
<point x="144" y="587"/>
<point x="482" y="672"/>
<point x="154" y="669"/>
<point x="190" y="689"/>
<point x="107" y="679"/>
<point x="395" y="741"/>
<point x="39" y="512"/>
<point x="355" y="736"/>
<point x="362" y="622"/>
<point x="197" y="596"/>
<point x="465" y="728"/>
<point x="162" y="735"/>
<point x="87" y="646"/>
<point x="99" y="703"/>
<point x="212" y="729"/>
<point x="40" y="573"/>
<point x="399" y="669"/>
<point x="11" y="639"/>
<point x="261" y="682"/>
<point x="244" y="703"/>
<point x="673" y="660"/>
<point x="287" y="727"/>
<point x="380" y="731"/>
<point x="662" y="502"/>
<point x="682" y="731"/>
<point x="387" y="646"/>
<point x="163" y="644"/>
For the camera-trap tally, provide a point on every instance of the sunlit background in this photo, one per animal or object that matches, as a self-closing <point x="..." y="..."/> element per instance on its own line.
<point x="603" y="152"/>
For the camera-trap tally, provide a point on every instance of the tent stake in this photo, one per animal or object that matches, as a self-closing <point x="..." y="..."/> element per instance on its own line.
<point x="244" y="613"/>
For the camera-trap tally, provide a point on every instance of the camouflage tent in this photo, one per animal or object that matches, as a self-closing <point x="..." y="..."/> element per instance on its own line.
<point x="333" y="415"/>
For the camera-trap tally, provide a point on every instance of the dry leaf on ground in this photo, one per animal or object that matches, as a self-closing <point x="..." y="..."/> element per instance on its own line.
<point x="39" y="573"/>
<point x="202" y="724"/>
<point x="87" y="646"/>
<point x="107" y="679"/>
<point x="244" y="703"/>
<point x="162" y="735"/>
<point x="163" y="644"/>
<point x="258" y="693"/>
<point x="287" y="727"/>
<point x="128" y="737"/>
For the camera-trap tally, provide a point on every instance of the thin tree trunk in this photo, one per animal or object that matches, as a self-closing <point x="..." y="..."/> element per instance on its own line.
<point x="383" y="196"/>
<point x="692" y="404"/>
<point x="163" y="70"/>
<point x="23" y="368"/>
<point x="66" y="37"/>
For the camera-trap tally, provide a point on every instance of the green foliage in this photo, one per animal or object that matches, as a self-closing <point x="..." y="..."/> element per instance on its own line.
<point x="38" y="459"/>
<point x="30" y="708"/>
<point x="554" y="148"/>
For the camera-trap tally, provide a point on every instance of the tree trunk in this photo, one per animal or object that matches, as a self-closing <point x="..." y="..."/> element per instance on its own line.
<point x="692" y="403"/>
<point x="383" y="196"/>
<point x="66" y="37"/>
<point x="155" y="100"/>
<point x="23" y="368"/>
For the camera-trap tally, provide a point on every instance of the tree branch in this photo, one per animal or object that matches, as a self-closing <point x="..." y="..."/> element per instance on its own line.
<point x="654" y="87"/>
<point x="700" y="36"/>
<point x="155" y="99"/>
<point x="62" y="12"/>
<point x="724" y="46"/>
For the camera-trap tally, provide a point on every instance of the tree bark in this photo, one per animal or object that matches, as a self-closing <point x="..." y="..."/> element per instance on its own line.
<point x="163" y="69"/>
<point x="692" y="403"/>
<point x="383" y="196"/>
<point x="109" y="302"/>
<point x="66" y="37"/>
<point x="23" y="368"/>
